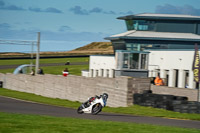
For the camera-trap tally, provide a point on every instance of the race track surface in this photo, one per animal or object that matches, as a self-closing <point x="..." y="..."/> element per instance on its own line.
<point x="19" y="106"/>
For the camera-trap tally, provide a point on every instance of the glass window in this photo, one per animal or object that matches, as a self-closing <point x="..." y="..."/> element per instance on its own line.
<point x="134" y="61"/>
<point x="129" y="49"/>
<point x="125" y="60"/>
<point x="198" y="30"/>
<point x="143" y="61"/>
<point x="129" y="45"/>
<point x="140" y="25"/>
<point x="129" y="24"/>
<point x="142" y="47"/>
<point x="133" y="47"/>
<point x="175" y="27"/>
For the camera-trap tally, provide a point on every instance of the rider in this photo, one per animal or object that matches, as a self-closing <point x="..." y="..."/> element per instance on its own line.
<point x="105" y="95"/>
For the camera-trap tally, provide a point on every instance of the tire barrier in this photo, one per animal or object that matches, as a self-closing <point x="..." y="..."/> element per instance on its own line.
<point x="168" y="102"/>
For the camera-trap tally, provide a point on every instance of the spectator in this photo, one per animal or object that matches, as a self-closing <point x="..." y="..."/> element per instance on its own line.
<point x="40" y="71"/>
<point x="20" y="71"/>
<point x="32" y="72"/>
<point x="158" y="81"/>
<point x="65" y="72"/>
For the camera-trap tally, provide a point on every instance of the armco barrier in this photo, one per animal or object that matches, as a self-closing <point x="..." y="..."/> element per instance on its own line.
<point x="77" y="88"/>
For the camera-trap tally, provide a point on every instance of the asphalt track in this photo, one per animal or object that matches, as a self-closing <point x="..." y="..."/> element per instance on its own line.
<point x="24" y="107"/>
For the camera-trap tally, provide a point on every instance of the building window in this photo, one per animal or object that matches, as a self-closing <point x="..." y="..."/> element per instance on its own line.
<point x="142" y="47"/>
<point x="132" y="60"/>
<point x="143" y="61"/>
<point x="133" y="47"/>
<point x="141" y="25"/>
<point x="125" y="60"/>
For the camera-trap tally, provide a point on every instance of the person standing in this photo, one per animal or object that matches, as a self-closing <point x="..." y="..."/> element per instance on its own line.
<point x="65" y="72"/>
<point x="40" y="71"/>
<point x="158" y="81"/>
<point x="32" y="72"/>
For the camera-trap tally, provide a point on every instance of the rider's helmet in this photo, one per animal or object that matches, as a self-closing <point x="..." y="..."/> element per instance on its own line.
<point x="105" y="95"/>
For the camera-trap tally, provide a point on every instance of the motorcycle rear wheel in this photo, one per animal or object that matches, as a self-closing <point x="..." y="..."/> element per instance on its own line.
<point x="96" y="109"/>
<point x="79" y="110"/>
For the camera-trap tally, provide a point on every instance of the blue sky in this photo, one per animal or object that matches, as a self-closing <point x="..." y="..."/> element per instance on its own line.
<point x="68" y="24"/>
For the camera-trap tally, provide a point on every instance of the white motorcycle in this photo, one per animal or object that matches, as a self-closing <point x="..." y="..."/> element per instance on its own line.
<point x="94" y="105"/>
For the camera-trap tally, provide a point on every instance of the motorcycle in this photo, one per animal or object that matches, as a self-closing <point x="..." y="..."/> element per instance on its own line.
<point x="94" y="105"/>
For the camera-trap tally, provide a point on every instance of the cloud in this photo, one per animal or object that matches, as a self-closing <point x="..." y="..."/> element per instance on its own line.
<point x="127" y="13"/>
<point x="70" y="40"/>
<point x="49" y="10"/>
<point x="109" y="12"/>
<point x="3" y="6"/>
<point x="65" y="28"/>
<point x="170" y="9"/>
<point x="65" y="34"/>
<point x="80" y="11"/>
<point x="35" y="9"/>
<point x="96" y="10"/>
<point x="73" y="36"/>
<point x="52" y="10"/>
<point x="2" y="3"/>
<point x="5" y="26"/>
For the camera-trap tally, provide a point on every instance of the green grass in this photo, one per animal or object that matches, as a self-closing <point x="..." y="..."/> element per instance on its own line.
<point x="73" y="69"/>
<point x="76" y="70"/>
<point x="7" y="70"/>
<point x="154" y="112"/>
<point x="43" y="61"/>
<point x="19" y="123"/>
<point x="132" y="110"/>
<point x="37" y="98"/>
<point x="57" y="70"/>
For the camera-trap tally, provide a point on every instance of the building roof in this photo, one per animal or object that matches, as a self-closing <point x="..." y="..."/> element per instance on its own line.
<point x="149" y="35"/>
<point x="161" y="17"/>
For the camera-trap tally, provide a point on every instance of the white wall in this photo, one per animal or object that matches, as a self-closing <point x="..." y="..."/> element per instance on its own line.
<point x="171" y="63"/>
<point x="102" y="66"/>
<point x="157" y="60"/>
<point x="171" y="59"/>
<point x="175" y="64"/>
<point x="102" y="62"/>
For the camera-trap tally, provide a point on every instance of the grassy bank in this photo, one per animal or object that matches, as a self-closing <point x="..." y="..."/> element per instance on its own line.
<point x="132" y="110"/>
<point x="45" y="124"/>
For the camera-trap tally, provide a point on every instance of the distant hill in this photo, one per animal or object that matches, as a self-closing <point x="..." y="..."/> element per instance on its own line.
<point x="94" y="48"/>
<point x="89" y="49"/>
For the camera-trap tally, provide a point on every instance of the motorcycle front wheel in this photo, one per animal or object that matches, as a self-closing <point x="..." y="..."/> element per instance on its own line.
<point x="96" y="109"/>
<point x="79" y="110"/>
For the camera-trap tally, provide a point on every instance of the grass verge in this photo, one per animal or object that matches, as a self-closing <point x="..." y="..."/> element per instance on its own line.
<point x="73" y="69"/>
<point x="57" y="70"/>
<point x="132" y="110"/>
<point x="46" y="124"/>
<point x="43" y="61"/>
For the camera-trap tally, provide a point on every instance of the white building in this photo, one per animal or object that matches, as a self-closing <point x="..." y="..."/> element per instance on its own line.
<point x="154" y="44"/>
